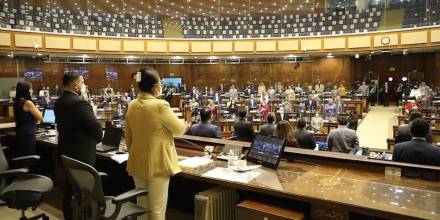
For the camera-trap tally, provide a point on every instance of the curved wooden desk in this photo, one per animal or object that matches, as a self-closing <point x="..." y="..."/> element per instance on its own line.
<point x="326" y="182"/>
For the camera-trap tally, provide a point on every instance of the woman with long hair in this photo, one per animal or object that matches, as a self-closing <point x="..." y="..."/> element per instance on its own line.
<point x="285" y="130"/>
<point x="26" y="115"/>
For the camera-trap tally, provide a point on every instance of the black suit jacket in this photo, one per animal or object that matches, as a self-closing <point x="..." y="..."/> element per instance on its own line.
<point x="403" y="134"/>
<point x="268" y="129"/>
<point x="310" y="105"/>
<point x="78" y="129"/>
<point x="305" y="139"/>
<point x="205" y="130"/>
<point x="244" y="131"/>
<point x="417" y="151"/>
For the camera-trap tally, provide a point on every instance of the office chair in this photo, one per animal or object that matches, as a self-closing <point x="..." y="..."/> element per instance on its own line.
<point x="89" y="201"/>
<point x="19" y="189"/>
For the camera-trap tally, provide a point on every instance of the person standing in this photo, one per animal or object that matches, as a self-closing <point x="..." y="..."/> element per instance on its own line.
<point x="78" y="129"/>
<point x="385" y="94"/>
<point x="149" y="129"/>
<point x="26" y="114"/>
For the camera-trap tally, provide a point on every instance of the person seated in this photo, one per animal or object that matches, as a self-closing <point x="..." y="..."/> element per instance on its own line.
<point x="271" y="92"/>
<point x="109" y="92"/>
<point x="303" y="137"/>
<point x="243" y="129"/>
<point x="263" y="110"/>
<point x="352" y="120"/>
<point x="193" y="104"/>
<point x="233" y="93"/>
<point x="119" y="112"/>
<point x="403" y="133"/>
<point x="290" y="93"/>
<point x="330" y="109"/>
<point x="248" y="91"/>
<point x="343" y="139"/>
<point x="286" y="105"/>
<point x="417" y="150"/>
<point x="285" y="130"/>
<point x="252" y="102"/>
<point x="298" y="89"/>
<point x="310" y="104"/>
<point x="204" y="128"/>
<point x="269" y="128"/>
<point x="410" y="106"/>
<point x="415" y="92"/>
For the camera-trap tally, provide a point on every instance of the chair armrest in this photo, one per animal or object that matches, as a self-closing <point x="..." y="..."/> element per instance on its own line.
<point x="13" y="172"/>
<point x="127" y="196"/>
<point x="25" y="161"/>
<point x="231" y="138"/>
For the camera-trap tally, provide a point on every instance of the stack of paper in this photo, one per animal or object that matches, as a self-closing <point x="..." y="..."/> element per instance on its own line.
<point x="230" y="175"/>
<point x="194" y="162"/>
<point x="120" y="158"/>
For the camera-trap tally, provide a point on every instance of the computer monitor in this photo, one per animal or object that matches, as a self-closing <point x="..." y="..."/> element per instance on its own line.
<point x="48" y="116"/>
<point x="266" y="150"/>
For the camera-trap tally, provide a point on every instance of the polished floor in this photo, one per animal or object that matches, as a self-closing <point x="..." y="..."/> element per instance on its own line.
<point x="377" y="126"/>
<point x="55" y="212"/>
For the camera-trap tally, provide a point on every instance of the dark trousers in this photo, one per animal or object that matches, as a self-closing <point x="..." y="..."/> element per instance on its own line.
<point x="67" y="201"/>
<point x="25" y="145"/>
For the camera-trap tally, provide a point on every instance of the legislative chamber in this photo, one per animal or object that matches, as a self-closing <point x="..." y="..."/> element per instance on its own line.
<point x="220" y="109"/>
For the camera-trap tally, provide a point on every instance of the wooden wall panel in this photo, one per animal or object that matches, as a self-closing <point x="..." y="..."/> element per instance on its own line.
<point x="110" y="45"/>
<point x="178" y="47"/>
<point x="28" y="40"/>
<point x="5" y="39"/>
<point x="394" y="40"/>
<point x="266" y="45"/>
<point x="314" y="44"/>
<point x="244" y="46"/>
<point x="222" y="46"/>
<point x="133" y="46"/>
<point x="288" y="45"/>
<point x="62" y="43"/>
<point x="417" y="37"/>
<point x="157" y="46"/>
<point x="201" y="47"/>
<point x="435" y="35"/>
<point x="84" y="44"/>
<point x="334" y="43"/>
<point x="359" y="42"/>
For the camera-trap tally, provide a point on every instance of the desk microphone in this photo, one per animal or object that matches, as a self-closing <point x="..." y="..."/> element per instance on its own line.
<point x="195" y="145"/>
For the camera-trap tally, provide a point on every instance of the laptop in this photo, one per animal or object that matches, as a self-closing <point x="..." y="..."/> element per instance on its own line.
<point x="112" y="139"/>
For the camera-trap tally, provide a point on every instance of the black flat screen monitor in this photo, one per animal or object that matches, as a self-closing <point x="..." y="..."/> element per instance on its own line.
<point x="266" y="150"/>
<point x="48" y="116"/>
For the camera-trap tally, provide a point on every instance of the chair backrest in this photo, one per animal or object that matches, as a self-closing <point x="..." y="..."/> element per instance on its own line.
<point x="3" y="166"/>
<point x="88" y="196"/>
<point x="3" y="162"/>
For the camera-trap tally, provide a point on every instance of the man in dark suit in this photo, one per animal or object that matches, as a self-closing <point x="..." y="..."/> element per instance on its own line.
<point x="303" y="137"/>
<point x="204" y="128"/>
<point x="310" y="104"/>
<point x="269" y="128"/>
<point x="403" y="134"/>
<point x="417" y="150"/>
<point x="78" y="129"/>
<point x="119" y="112"/>
<point x="243" y="129"/>
<point x="252" y="103"/>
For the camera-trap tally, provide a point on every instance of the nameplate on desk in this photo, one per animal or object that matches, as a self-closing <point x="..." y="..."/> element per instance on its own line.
<point x="393" y="171"/>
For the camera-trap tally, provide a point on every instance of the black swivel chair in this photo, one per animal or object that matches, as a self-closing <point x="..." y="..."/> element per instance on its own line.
<point x="89" y="201"/>
<point x="19" y="189"/>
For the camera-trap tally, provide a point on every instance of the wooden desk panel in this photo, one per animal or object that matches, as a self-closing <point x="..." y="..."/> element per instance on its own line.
<point x="328" y="180"/>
